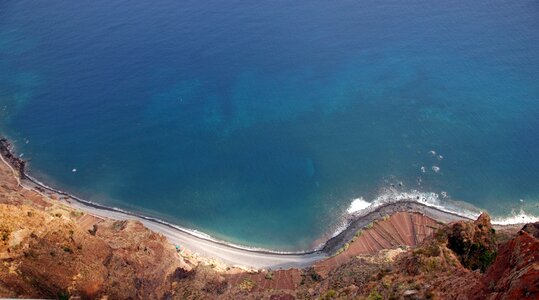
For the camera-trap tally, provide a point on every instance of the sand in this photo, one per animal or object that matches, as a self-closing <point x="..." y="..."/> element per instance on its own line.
<point x="231" y="254"/>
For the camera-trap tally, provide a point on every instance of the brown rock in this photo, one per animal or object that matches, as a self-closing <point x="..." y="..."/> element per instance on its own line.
<point x="55" y="257"/>
<point x="532" y="228"/>
<point x="515" y="272"/>
<point x="47" y="251"/>
<point x="282" y="297"/>
<point x="474" y="243"/>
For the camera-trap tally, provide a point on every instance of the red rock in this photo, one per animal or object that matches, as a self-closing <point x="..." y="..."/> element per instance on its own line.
<point x="515" y="272"/>
<point x="282" y="297"/>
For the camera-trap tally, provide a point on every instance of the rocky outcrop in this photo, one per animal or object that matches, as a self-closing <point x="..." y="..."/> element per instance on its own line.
<point x="401" y="229"/>
<point x="532" y="229"/>
<point x="46" y="254"/>
<point x="434" y="270"/>
<point x="398" y="230"/>
<point x="515" y="272"/>
<point x="50" y="250"/>
<point x="15" y="161"/>
<point x="474" y="243"/>
<point x="56" y="253"/>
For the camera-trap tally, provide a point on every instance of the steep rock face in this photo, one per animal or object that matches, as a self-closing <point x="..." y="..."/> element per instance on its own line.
<point x="15" y="161"/>
<point x="398" y="230"/>
<point x="474" y="243"/>
<point x="45" y="254"/>
<point x="140" y="262"/>
<point x="430" y="271"/>
<point x="48" y="250"/>
<point x="532" y="229"/>
<point x="515" y="272"/>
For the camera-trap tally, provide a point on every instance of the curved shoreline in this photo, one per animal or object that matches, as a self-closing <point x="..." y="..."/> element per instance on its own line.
<point x="228" y="252"/>
<point x="358" y="222"/>
<point x="97" y="206"/>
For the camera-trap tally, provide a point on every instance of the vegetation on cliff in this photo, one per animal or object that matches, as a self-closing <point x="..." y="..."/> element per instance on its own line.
<point x="50" y="250"/>
<point x="474" y="243"/>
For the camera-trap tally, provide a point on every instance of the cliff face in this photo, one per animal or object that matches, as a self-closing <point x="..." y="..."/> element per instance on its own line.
<point x="446" y="265"/>
<point x="515" y="272"/>
<point x="50" y="250"/>
<point x="474" y="243"/>
<point x="49" y="254"/>
<point x="46" y="254"/>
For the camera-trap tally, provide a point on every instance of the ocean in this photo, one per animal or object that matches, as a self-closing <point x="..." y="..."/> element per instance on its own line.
<point x="260" y="122"/>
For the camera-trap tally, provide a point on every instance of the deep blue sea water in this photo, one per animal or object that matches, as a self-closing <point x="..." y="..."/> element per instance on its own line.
<point x="259" y="122"/>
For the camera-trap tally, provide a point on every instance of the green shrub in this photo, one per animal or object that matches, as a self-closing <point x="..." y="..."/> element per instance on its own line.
<point x="358" y="234"/>
<point x="331" y="294"/>
<point x="315" y="276"/>
<point x="64" y="295"/>
<point x="247" y="284"/>
<point x="486" y="258"/>
<point x="374" y="295"/>
<point x="342" y="249"/>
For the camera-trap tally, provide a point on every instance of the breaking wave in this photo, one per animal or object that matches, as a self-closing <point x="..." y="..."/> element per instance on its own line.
<point x="515" y="218"/>
<point x="359" y="206"/>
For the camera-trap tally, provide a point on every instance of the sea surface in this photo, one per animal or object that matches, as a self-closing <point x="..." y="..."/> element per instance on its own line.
<point x="259" y="122"/>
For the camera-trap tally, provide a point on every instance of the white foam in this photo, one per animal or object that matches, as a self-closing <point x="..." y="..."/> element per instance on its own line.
<point x="392" y="195"/>
<point x="516" y="218"/>
<point x="358" y="204"/>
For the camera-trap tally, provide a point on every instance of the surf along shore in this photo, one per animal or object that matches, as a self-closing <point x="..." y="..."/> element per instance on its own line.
<point x="206" y="246"/>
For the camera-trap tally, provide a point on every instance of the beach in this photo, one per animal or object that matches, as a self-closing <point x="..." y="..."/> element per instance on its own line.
<point x="138" y="251"/>
<point x="265" y="150"/>
<point x="206" y="246"/>
<point x="264" y="138"/>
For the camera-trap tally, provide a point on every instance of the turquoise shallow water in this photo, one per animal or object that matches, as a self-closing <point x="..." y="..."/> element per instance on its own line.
<point x="259" y="123"/>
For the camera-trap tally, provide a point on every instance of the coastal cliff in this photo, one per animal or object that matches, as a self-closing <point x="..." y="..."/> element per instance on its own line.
<point x="46" y="254"/>
<point x="50" y="249"/>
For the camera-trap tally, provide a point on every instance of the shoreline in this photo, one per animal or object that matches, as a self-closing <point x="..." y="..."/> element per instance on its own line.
<point x="229" y="253"/>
